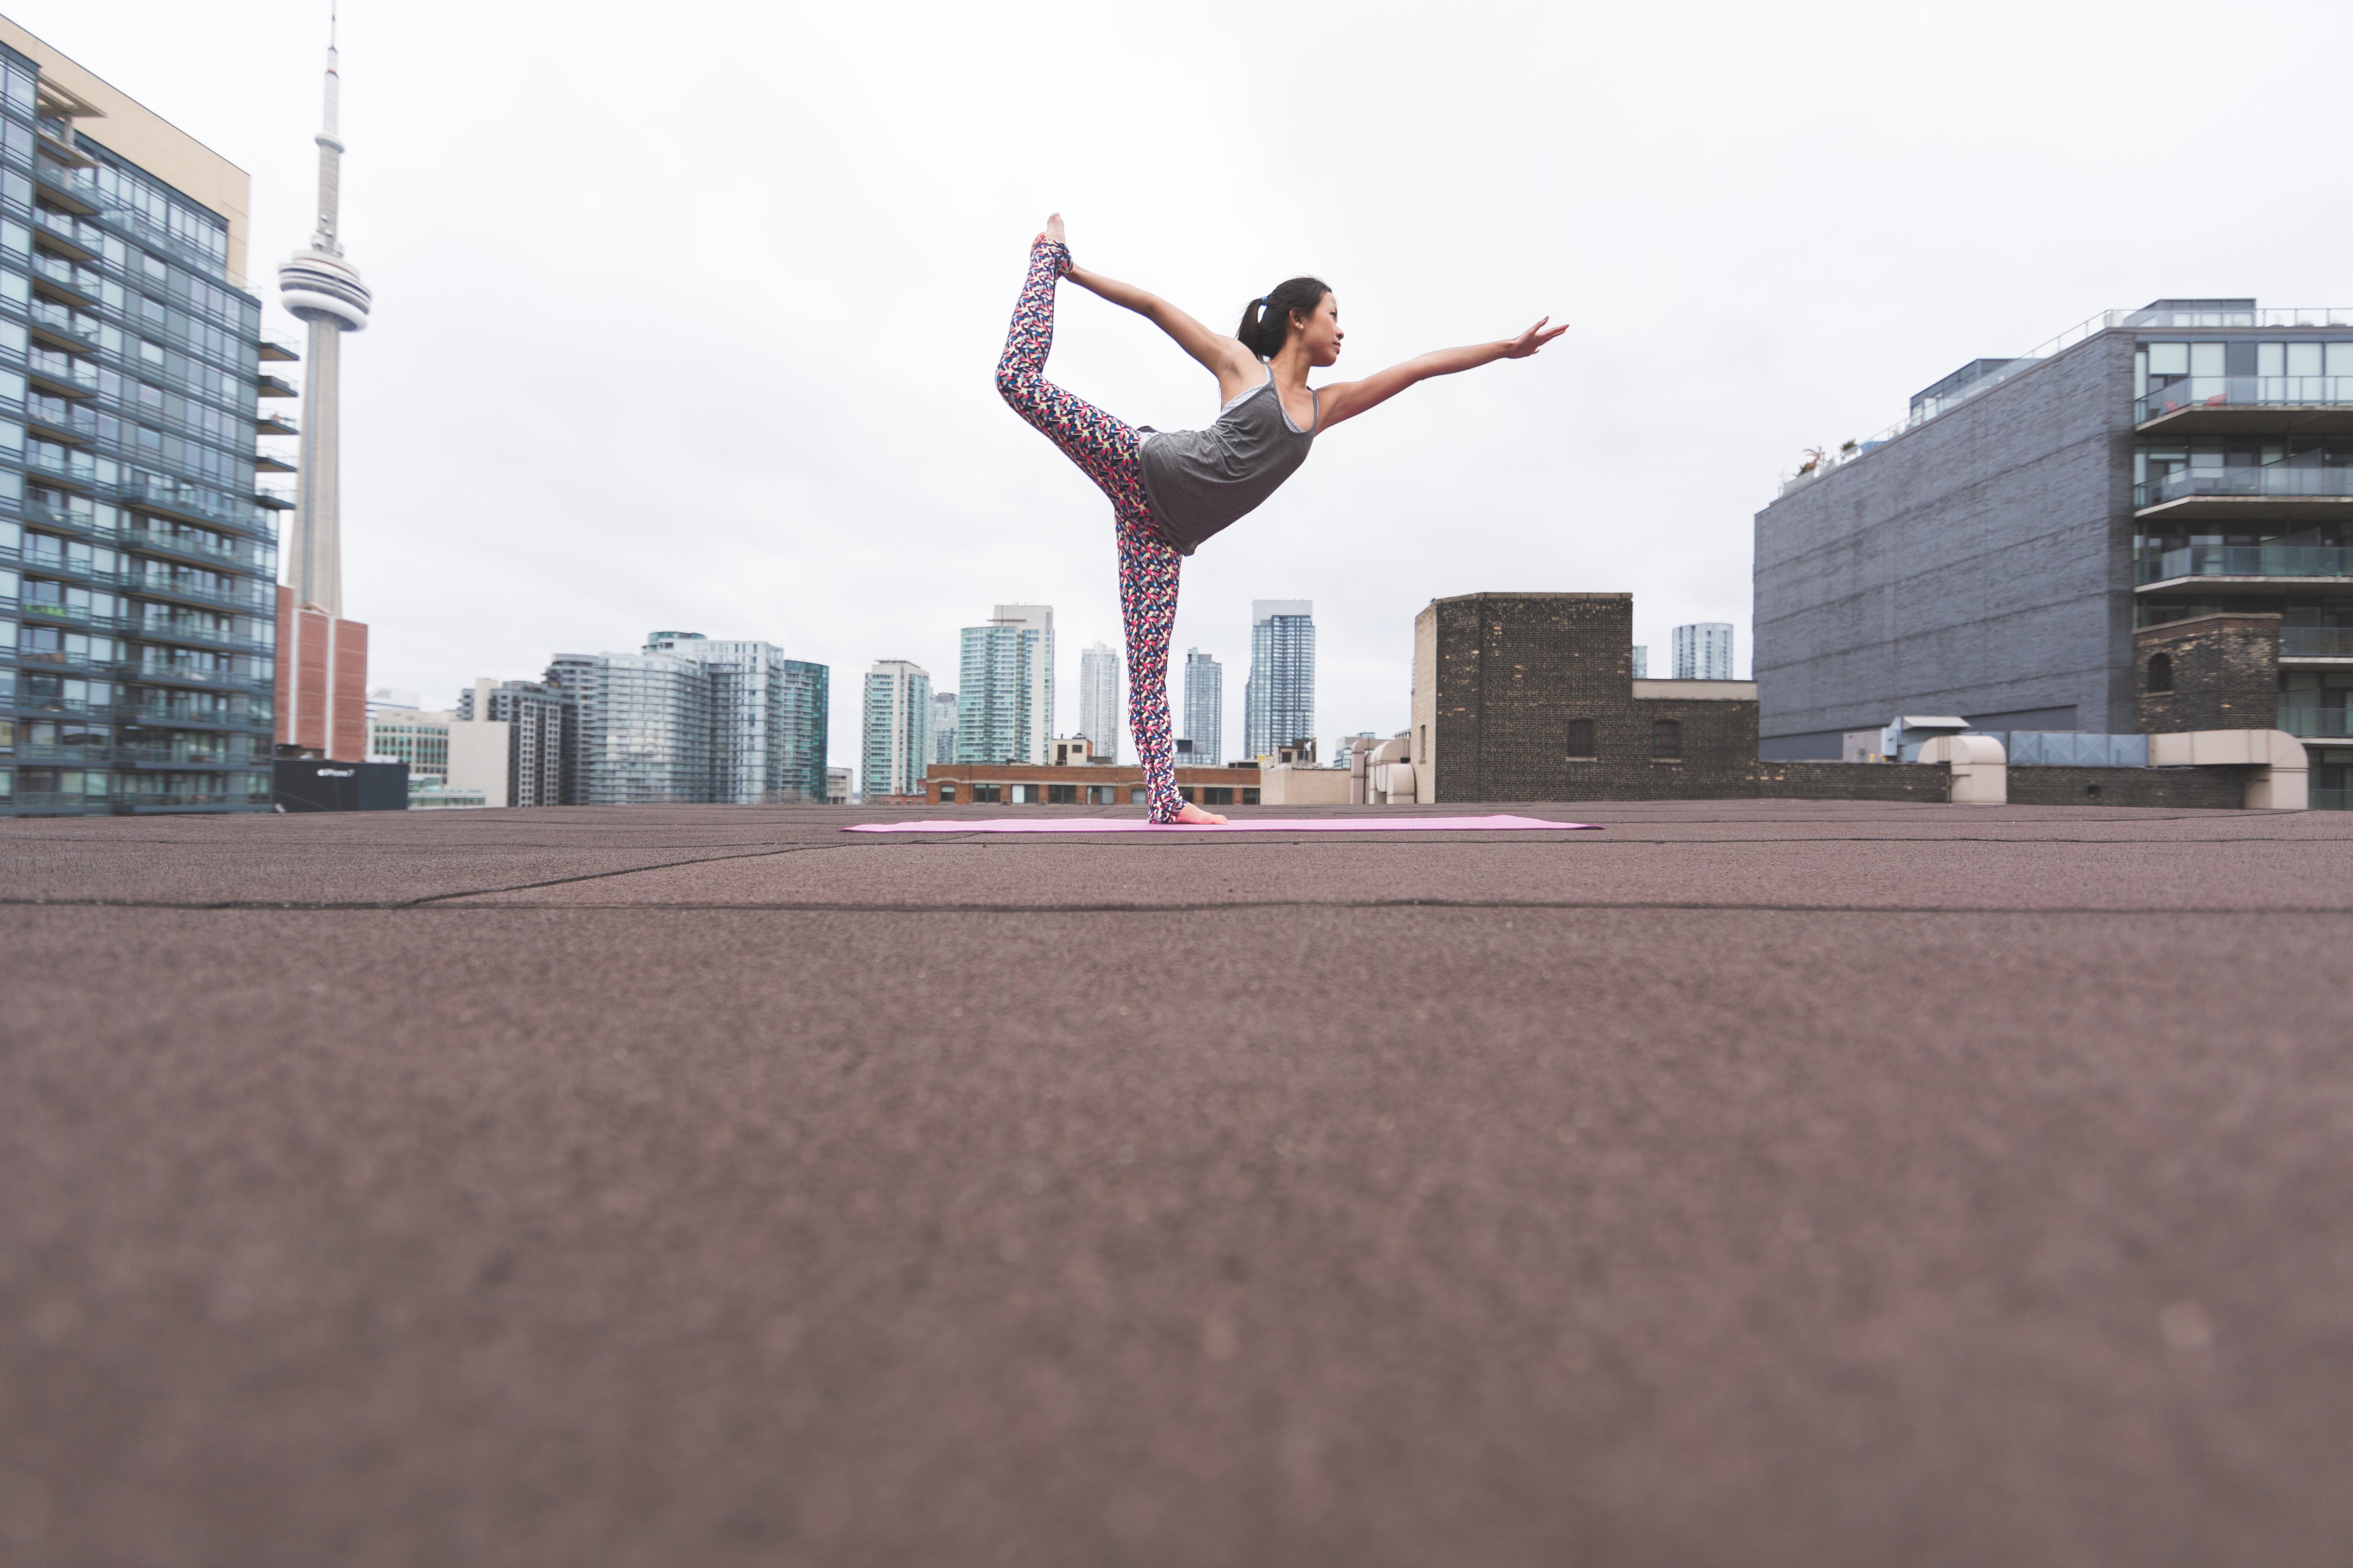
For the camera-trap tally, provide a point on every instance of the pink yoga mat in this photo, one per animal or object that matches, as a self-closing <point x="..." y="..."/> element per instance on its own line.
<point x="1247" y="824"/>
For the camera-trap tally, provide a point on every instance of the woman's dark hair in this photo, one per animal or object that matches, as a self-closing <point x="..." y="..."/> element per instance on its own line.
<point x="1267" y="323"/>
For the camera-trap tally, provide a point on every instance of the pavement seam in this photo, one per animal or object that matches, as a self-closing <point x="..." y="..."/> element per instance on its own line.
<point x="442" y="905"/>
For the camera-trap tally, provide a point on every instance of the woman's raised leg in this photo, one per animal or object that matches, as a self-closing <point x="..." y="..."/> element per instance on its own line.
<point x="1101" y="446"/>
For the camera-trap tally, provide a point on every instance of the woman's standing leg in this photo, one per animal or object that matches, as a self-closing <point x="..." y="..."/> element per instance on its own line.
<point x="1147" y="603"/>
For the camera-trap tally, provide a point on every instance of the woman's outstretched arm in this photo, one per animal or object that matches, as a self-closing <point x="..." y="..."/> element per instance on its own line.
<point x="1222" y="356"/>
<point x="1350" y="398"/>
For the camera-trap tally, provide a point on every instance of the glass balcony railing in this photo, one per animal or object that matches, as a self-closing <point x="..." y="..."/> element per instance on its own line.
<point x="78" y="325"/>
<point x="2284" y="480"/>
<point x="2316" y="642"/>
<point x="238" y="552"/>
<point x="2243" y="391"/>
<point x="82" y="280"/>
<point x="2246" y="560"/>
<point x="2315" y="723"/>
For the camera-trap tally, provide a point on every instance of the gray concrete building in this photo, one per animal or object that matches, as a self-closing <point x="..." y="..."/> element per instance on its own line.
<point x="1997" y="554"/>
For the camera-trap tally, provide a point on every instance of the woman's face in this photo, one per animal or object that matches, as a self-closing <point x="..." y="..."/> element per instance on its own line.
<point x="1320" y="333"/>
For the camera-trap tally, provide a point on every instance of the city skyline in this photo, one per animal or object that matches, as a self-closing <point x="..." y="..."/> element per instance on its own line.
<point x="1819" y="334"/>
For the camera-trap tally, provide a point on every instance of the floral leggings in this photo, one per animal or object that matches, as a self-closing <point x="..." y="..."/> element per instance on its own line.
<point x="1106" y="451"/>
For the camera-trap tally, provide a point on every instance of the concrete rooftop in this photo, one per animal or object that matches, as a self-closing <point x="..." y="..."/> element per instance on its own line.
<point x="1748" y="1184"/>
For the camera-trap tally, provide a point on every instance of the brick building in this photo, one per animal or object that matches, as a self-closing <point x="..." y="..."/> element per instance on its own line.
<point x="2211" y="672"/>
<point x="1532" y="696"/>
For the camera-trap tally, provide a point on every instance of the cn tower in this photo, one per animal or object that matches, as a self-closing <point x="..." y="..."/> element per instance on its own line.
<point x="321" y="289"/>
<point x="322" y="681"/>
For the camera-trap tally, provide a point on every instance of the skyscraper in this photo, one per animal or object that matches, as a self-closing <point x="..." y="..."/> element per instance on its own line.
<point x="1641" y="662"/>
<point x="322" y="658"/>
<point x="540" y="717"/>
<point x="1099" y="699"/>
<point x="894" y="732"/>
<point x="1205" y="705"/>
<point x="1005" y="694"/>
<point x="644" y="730"/>
<point x="138" y="630"/>
<point x="1704" y="651"/>
<point x="1278" y="701"/>
<point x="763" y="747"/>
<point x="944" y="726"/>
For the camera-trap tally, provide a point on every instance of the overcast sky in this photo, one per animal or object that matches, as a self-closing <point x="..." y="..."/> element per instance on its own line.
<point x="686" y="314"/>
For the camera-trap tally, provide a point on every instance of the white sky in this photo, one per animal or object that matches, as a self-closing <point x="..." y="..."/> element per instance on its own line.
<point x="686" y="314"/>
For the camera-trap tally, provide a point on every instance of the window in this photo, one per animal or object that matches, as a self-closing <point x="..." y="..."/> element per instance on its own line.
<point x="948" y="795"/>
<point x="986" y="794"/>
<point x="1061" y="795"/>
<point x="1666" y="739"/>
<point x="1249" y="796"/>
<point x="1216" y="794"/>
<point x="1184" y="793"/>
<point x="1580" y="736"/>
<point x="1135" y="794"/>
<point x="2160" y="672"/>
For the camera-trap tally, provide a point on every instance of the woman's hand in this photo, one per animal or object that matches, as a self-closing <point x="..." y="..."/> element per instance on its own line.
<point x="1532" y="340"/>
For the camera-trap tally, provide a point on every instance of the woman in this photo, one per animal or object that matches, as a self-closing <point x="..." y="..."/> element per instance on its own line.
<point x="1170" y="489"/>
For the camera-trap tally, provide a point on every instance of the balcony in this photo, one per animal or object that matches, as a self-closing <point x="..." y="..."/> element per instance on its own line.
<point x="59" y="278"/>
<point x="2316" y="723"/>
<point x="62" y="328"/>
<point x="275" y="348"/>
<point x="271" y="386"/>
<point x="270" y="422"/>
<point x="2209" y="565"/>
<point x="243" y="554"/>
<point x="254" y="598"/>
<point x="61" y="375"/>
<point x="270" y="463"/>
<point x="58" y="420"/>
<point x="277" y="498"/>
<point x="79" y="242"/>
<point x="2249" y="405"/>
<point x="64" y="189"/>
<point x="2273" y="494"/>
<point x="2316" y="643"/>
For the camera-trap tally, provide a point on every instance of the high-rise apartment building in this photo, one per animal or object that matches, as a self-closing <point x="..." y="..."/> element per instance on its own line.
<point x="2043" y="538"/>
<point x="1005" y="694"/>
<point x="895" y="729"/>
<point x="1205" y="706"/>
<point x="539" y="717"/>
<point x="322" y="656"/>
<point x="645" y="727"/>
<point x="692" y="719"/>
<point x="1099" y="694"/>
<point x="944" y="726"/>
<point x="1641" y="662"/>
<point x="1702" y="651"/>
<point x="762" y="706"/>
<point x="138" y="557"/>
<point x="1279" y="698"/>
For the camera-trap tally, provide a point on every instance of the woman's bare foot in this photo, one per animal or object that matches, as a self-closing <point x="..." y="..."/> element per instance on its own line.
<point x="1053" y="235"/>
<point x="1193" y="817"/>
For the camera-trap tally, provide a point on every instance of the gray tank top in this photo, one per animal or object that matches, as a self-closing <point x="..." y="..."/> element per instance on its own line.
<point x="1200" y="480"/>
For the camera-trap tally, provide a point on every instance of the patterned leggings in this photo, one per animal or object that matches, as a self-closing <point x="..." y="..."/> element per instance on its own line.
<point x="1106" y="451"/>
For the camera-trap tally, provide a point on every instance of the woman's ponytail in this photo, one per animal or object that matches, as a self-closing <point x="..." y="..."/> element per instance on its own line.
<point x="1266" y="322"/>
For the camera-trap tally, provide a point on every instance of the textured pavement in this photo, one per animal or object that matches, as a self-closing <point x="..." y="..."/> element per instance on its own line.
<point x="1748" y="1184"/>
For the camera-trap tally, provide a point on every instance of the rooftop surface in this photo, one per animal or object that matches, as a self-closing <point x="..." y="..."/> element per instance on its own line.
<point x="1759" y="1184"/>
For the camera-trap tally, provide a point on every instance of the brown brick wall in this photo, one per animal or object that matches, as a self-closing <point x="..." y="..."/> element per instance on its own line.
<point x="1854" y="781"/>
<point x="2225" y="674"/>
<point x="2187" y="789"/>
<point x="1511" y="671"/>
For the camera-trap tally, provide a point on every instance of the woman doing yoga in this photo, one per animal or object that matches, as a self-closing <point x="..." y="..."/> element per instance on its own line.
<point x="1170" y="489"/>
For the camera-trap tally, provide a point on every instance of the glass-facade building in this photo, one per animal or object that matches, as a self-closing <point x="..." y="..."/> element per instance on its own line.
<point x="1702" y="651"/>
<point x="769" y="716"/>
<point x="691" y="721"/>
<point x="895" y="729"/>
<point x="1099" y="705"/>
<point x="1279" y="698"/>
<point x="1005" y="691"/>
<point x="138" y="554"/>
<point x="1205" y="705"/>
